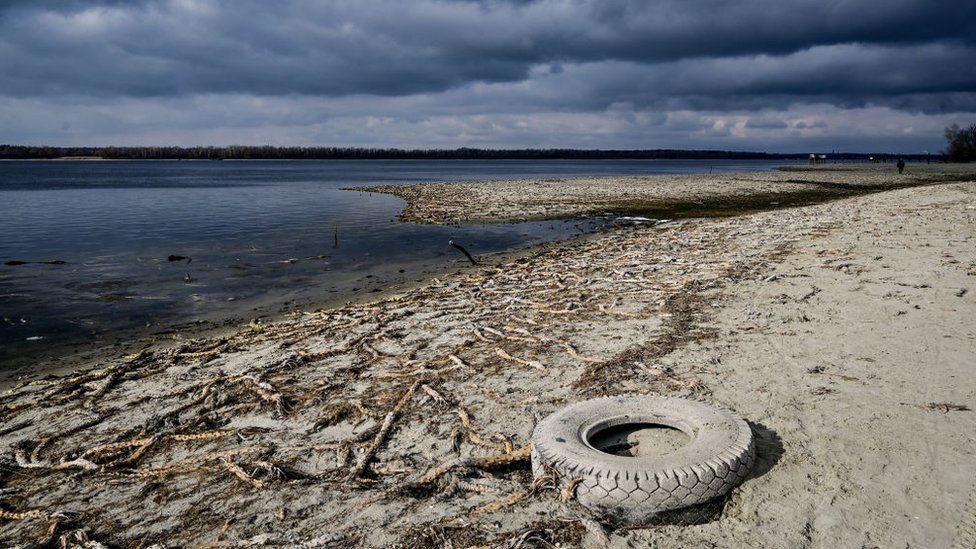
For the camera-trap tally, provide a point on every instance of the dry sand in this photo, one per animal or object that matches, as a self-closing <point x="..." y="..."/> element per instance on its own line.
<point x="844" y="332"/>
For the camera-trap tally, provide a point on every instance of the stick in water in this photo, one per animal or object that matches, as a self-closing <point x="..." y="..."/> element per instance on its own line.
<point x="465" y="252"/>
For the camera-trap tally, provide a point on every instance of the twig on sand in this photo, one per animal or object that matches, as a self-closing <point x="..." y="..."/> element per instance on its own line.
<point x="29" y="462"/>
<point x="529" y="537"/>
<point x="502" y="503"/>
<point x="575" y="354"/>
<point x="469" y="429"/>
<point x="267" y="392"/>
<point x="946" y="407"/>
<point x="460" y="363"/>
<point x="521" y="454"/>
<point x="79" y="538"/>
<point x="381" y="435"/>
<point x="438" y="398"/>
<point x="141" y="450"/>
<point x="568" y="493"/>
<point x="241" y="473"/>
<point x="13" y="515"/>
<point x="111" y="379"/>
<point x="531" y="363"/>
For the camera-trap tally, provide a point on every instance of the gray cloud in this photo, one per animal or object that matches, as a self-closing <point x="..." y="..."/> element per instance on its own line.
<point x="450" y="61"/>
<point x="387" y="48"/>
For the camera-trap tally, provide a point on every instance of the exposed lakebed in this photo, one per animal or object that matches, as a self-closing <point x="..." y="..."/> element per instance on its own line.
<point x="107" y="251"/>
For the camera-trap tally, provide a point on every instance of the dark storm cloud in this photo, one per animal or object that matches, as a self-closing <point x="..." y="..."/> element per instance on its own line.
<point x="710" y="28"/>
<point x="590" y="73"/>
<point x="159" y="48"/>
<point x="847" y="75"/>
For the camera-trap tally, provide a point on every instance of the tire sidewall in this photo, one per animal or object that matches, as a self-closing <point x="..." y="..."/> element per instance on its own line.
<point x="633" y="489"/>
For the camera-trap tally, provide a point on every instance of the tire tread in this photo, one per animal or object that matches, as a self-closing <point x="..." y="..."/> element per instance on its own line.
<point x="638" y="502"/>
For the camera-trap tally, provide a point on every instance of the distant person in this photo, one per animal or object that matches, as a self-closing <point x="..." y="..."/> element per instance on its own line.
<point x="901" y="165"/>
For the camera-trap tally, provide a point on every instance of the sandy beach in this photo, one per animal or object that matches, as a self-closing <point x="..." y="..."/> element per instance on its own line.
<point x="843" y="331"/>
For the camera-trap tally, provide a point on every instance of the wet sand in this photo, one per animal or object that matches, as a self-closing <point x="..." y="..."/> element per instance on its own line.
<point x="844" y="332"/>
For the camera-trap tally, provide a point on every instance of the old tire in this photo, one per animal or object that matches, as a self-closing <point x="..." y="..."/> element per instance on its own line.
<point x="635" y="489"/>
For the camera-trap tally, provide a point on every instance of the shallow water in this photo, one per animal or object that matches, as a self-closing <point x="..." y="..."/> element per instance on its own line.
<point x="258" y="236"/>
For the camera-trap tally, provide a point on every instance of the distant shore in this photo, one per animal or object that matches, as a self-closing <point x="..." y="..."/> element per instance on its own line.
<point x="843" y="331"/>
<point x="698" y="195"/>
<point x="268" y="152"/>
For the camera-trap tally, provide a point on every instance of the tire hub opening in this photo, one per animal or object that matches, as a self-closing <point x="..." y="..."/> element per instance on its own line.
<point x="638" y="439"/>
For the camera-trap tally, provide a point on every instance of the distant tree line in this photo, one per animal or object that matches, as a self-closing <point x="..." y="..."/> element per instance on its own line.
<point x="243" y="152"/>
<point x="267" y="152"/>
<point x="962" y="143"/>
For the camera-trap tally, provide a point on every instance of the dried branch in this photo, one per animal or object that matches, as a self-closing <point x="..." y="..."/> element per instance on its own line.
<point x="384" y="431"/>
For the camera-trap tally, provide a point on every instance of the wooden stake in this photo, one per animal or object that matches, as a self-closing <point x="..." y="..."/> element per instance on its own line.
<point x="465" y="252"/>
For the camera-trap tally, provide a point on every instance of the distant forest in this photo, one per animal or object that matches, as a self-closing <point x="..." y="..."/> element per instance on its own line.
<point x="243" y="152"/>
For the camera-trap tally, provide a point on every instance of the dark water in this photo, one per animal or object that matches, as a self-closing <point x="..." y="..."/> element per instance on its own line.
<point x="259" y="235"/>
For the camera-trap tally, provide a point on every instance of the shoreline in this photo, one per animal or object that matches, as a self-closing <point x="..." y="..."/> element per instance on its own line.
<point x="830" y="327"/>
<point x="690" y="195"/>
<point x="62" y="359"/>
<point x="662" y="198"/>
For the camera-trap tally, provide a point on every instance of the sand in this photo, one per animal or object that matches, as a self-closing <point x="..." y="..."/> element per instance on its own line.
<point x="685" y="195"/>
<point x="844" y="332"/>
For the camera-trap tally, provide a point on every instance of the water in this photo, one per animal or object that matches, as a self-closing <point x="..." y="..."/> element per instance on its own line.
<point x="259" y="236"/>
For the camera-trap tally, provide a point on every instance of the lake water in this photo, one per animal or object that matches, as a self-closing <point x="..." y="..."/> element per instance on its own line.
<point x="96" y="238"/>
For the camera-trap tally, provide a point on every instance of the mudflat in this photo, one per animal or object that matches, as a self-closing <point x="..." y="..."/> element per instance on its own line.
<point x="844" y="332"/>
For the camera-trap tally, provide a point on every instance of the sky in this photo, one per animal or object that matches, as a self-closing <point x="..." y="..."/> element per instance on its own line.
<point x="748" y="75"/>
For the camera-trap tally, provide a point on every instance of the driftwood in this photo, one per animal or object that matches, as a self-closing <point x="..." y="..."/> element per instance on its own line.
<point x="384" y="431"/>
<point x="22" y="515"/>
<point x="465" y="252"/>
<point x="241" y="473"/>
<point x="522" y="454"/>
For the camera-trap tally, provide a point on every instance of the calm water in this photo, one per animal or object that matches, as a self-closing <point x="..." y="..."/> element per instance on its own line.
<point x="260" y="236"/>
